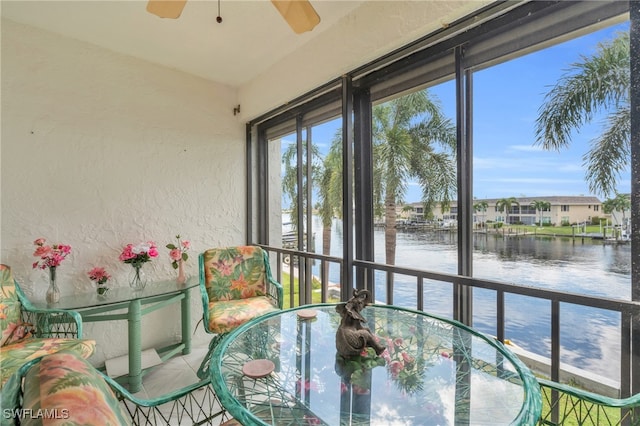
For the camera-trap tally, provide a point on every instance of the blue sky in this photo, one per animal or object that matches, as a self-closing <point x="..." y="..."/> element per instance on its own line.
<point x="506" y="101"/>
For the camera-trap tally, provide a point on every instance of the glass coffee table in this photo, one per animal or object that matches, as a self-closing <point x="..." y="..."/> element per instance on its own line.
<point x="282" y="369"/>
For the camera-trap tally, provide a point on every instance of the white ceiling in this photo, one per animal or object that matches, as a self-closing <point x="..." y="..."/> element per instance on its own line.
<point x="251" y="37"/>
<point x="252" y="42"/>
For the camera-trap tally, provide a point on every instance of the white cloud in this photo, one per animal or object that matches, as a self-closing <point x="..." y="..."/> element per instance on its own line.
<point x="526" y="148"/>
<point x="526" y="164"/>
<point x="532" y="180"/>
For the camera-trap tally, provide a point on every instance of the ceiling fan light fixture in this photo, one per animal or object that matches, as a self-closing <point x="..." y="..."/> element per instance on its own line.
<point x="166" y="8"/>
<point x="299" y="14"/>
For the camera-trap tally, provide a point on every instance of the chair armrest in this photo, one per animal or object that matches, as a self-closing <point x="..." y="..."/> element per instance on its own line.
<point x="50" y="322"/>
<point x="274" y="288"/>
<point x="12" y="394"/>
<point x="274" y="291"/>
<point x="197" y="402"/>
<point x="123" y="394"/>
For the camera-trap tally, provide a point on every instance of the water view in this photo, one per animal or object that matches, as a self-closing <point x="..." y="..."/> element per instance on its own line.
<point x="590" y="337"/>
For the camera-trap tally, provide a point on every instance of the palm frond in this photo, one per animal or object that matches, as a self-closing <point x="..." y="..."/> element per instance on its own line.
<point x="595" y="83"/>
<point x="436" y="129"/>
<point x="437" y="177"/>
<point x="610" y="153"/>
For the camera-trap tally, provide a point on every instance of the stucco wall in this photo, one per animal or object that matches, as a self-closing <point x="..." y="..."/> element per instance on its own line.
<point x="100" y="150"/>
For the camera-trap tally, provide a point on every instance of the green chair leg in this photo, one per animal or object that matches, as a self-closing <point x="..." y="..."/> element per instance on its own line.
<point x="203" y="370"/>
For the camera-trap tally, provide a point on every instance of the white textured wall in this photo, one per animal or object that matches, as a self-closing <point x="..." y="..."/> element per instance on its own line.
<point x="100" y="150"/>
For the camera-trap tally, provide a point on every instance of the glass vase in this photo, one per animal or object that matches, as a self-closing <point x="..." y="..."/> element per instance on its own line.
<point x="102" y="290"/>
<point x="53" y="292"/>
<point x="182" y="278"/>
<point x="137" y="279"/>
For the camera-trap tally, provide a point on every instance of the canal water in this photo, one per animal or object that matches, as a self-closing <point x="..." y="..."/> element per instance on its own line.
<point x="590" y="337"/>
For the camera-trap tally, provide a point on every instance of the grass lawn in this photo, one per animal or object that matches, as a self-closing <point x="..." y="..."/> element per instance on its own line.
<point x="550" y="230"/>
<point x="586" y="414"/>
<point x="316" y="296"/>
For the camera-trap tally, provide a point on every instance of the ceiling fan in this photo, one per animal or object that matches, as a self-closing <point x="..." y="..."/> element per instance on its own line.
<point x="299" y="14"/>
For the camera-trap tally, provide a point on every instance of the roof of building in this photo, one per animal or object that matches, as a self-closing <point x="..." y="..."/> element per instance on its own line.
<point x="553" y="199"/>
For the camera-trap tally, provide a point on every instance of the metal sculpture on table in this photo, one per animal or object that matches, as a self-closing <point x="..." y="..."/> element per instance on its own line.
<point x="353" y="336"/>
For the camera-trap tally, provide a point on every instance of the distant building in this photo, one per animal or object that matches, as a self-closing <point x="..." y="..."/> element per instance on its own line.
<point x="563" y="210"/>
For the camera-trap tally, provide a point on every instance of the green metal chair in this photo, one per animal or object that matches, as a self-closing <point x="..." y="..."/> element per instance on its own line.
<point x="195" y="404"/>
<point x="27" y="333"/>
<point x="567" y="405"/>
<point x="236" y="286"/>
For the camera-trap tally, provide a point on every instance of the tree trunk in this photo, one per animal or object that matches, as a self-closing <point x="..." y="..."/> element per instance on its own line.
<point x="326" y="249"/>
<point x="390" y="241"/>
<point x="390" y="229"/>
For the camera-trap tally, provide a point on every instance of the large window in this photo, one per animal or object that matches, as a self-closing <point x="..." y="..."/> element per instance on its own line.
<point x="309" y="207"/>
<point x="510" y="161"/>
<point x="451" y="152"/>
<point x="414" y="163"/>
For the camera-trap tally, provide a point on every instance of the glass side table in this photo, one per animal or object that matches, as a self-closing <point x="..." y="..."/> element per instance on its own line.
<point x="135" y="304"/>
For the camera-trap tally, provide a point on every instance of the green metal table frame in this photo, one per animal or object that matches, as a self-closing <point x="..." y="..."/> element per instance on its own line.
<point x="135" y="304"/>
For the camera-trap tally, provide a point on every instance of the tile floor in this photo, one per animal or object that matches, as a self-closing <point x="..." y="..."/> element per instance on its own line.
<point x="173" y="374"/>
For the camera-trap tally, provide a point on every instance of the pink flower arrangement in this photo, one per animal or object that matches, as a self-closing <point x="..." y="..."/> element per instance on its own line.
<point x="99" y="275"/>
<point x="139" y="254"/>
<point x="178" y="252"/>
<point x="399" y="357"/>
<point x="50" y="255"/>
<point x="401" y="365"/>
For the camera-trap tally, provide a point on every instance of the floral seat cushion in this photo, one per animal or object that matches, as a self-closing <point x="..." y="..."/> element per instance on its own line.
<point x="234" y="273"/>
<point x="11" y="327"/>
<point x="224" y="316"/>
<point x="16" y="344"/>
<point x="13" y="356"/>
<point x="235" y="280"/>
<point x="67" y="386"/>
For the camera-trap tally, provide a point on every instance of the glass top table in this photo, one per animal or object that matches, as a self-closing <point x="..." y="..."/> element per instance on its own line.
<point x="282" y="369"/>
<point x="90" y="298"/>
<point x="127" y="304"/>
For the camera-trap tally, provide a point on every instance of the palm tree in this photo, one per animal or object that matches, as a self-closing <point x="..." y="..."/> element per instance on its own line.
<point x="289" y="178"/>
<point x="620" y="203"/>
<point x="329" y="184"/>
<point x="505" y="205"/>
<point x="540" y="206"/>
<point x="407" y="208"/>
<point x="404" y="133"/>
<point x="481" y="206"/>
<point x="600" y="82"/>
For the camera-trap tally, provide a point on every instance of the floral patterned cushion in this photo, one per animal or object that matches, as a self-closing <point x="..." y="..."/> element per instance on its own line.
<point x="13" y="356"/>
<point x="11" y="327"/>
<point x="234" y="273"/>
<point x="67" y="386"/>
<point x="227" y="315"/>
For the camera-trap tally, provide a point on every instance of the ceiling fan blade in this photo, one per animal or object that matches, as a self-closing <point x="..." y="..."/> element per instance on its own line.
<point x="299" y="14"/>
<point x="166" y="8"/>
